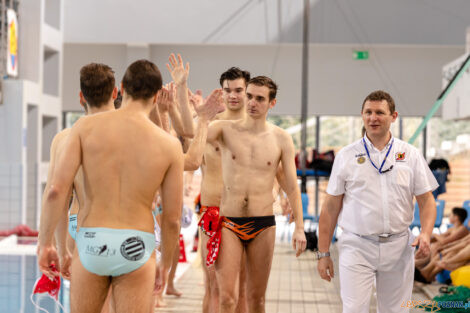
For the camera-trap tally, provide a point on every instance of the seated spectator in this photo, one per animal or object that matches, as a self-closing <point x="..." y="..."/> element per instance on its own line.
<point x="458" y="231"/>
<point x="451" y="257"/>
<point x="440" y="241"/>
<point x="459" y="259"/>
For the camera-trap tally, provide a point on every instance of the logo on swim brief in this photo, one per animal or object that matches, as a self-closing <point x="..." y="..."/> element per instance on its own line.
<point x="102" y="251"/>
<point x="90" y="234"/>
<point x="133" y="248"/>
<point x="400" y="156"/>
<point x="361" y="160"/>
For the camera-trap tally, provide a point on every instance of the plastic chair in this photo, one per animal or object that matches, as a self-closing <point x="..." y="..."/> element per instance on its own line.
<point x="466" y="206"/>
<point x="440" y="205"/>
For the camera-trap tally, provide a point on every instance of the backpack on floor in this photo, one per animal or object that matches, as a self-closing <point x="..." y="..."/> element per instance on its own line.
<point x="451" y="300"/>
<point x="312" y="240"/>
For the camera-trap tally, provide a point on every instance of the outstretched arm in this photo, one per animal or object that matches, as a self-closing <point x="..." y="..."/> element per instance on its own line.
<point x="174" y="112"/>
<point x="179" y="74"/>
<point x="154" y="114"/>
<point x="293" y="193"/>
<point x="162" y="108"/>
<point x="206" y="113"/>
<point x="55" y="200"/>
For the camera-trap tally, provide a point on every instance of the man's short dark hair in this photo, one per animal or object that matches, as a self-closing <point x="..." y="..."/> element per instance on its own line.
<point x="234" y="73"/>
<point x="267" y="82"/>
<point x="380" y="95"/>
<point x="97" y="83"/>
<point x="142" y="80"/>
<point x="461" y="214"/>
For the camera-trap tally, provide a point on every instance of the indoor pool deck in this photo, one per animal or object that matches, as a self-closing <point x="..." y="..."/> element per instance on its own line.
<point x="294" y="287"/>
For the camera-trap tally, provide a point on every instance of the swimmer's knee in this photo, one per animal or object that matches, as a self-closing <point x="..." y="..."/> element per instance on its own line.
<point x="256" y="301"/>
<point x="228" y="301"/>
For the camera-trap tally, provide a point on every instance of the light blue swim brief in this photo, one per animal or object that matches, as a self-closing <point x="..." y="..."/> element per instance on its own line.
<point x="73" y="225"/>
<point x="113" y="252"/>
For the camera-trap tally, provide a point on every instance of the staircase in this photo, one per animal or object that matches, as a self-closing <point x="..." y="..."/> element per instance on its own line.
<point x="458" y="186"/>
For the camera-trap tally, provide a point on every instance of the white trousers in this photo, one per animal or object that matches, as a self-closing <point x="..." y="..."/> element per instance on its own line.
<point x="389" y="264"/>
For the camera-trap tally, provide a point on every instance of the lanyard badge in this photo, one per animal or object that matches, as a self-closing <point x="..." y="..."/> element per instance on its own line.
<point x="383" y="162"/>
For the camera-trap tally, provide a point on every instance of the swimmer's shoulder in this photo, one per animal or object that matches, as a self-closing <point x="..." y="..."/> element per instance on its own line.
<point x="58" y="142"/>
<point x="60" y="136"/>
<point x="281" y="134"/>
<point x="166" y="141"/>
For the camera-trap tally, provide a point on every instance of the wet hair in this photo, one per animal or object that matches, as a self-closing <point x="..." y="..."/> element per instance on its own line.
<point x="118" y="100"/>
<point x="96" y="83"/>
<point x="142" y="80"/>
<point x="461" y="214"/>
<point x="234" y="73"/>
<point x="267" y="82"/>
<point x="380" y="95"/>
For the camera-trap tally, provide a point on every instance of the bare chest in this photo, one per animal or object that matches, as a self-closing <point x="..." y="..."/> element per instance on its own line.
<point x="255" y="151"/>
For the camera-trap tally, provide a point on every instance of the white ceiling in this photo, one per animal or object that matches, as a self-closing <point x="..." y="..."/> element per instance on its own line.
<point x="422" y="22"/>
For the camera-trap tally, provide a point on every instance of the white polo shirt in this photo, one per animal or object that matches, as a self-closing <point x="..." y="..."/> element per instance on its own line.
<point x="377" y="203"/>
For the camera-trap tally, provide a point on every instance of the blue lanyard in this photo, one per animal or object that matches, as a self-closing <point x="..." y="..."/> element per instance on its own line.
<point x="383" y="162"/>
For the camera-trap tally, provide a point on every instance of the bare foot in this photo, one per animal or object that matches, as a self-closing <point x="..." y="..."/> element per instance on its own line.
<point x="172" y="291"/>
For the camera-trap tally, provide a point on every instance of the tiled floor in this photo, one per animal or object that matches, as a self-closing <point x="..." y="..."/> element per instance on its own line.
<point x="294" y="287"/>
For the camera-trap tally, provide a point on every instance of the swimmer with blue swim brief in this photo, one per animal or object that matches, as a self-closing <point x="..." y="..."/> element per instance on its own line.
<point x="115" y="239"/>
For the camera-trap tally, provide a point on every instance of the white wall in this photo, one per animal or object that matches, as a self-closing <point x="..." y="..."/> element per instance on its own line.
<point x="337" y="85"/>
<point x="22" y="167"/>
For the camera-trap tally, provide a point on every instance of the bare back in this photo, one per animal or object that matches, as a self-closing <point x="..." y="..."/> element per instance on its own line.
<point x="124" y="161"/>
<point x="249" y="165"/>
<point x="78" y="191"/>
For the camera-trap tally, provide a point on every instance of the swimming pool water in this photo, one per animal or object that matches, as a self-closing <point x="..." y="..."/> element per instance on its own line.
<point x="18" y="273"/>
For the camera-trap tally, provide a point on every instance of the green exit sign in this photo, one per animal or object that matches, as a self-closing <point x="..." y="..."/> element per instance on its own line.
<point x="361" y="55"/>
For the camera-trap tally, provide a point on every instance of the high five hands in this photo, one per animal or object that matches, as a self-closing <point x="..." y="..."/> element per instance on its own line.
<point x="179" y="73"/>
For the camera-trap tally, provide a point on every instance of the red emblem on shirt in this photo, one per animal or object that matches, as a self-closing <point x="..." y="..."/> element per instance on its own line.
<point x="400" y="156"/>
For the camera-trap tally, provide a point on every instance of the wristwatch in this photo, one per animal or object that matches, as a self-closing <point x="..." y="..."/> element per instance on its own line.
<point x="322" y="254"/>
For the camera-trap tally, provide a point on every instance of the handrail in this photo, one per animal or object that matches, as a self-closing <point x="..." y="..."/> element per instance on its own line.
<point x="441" y="99"/>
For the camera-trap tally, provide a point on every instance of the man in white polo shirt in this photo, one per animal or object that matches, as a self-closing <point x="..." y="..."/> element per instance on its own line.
<point x="371" y="190"/>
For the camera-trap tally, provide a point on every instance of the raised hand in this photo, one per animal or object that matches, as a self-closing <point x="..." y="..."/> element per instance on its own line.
<point x="164" y="99"/>
<point x="212" y="105"/>
<point x="195" y="99"/>
<point x="179" y="73"/>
